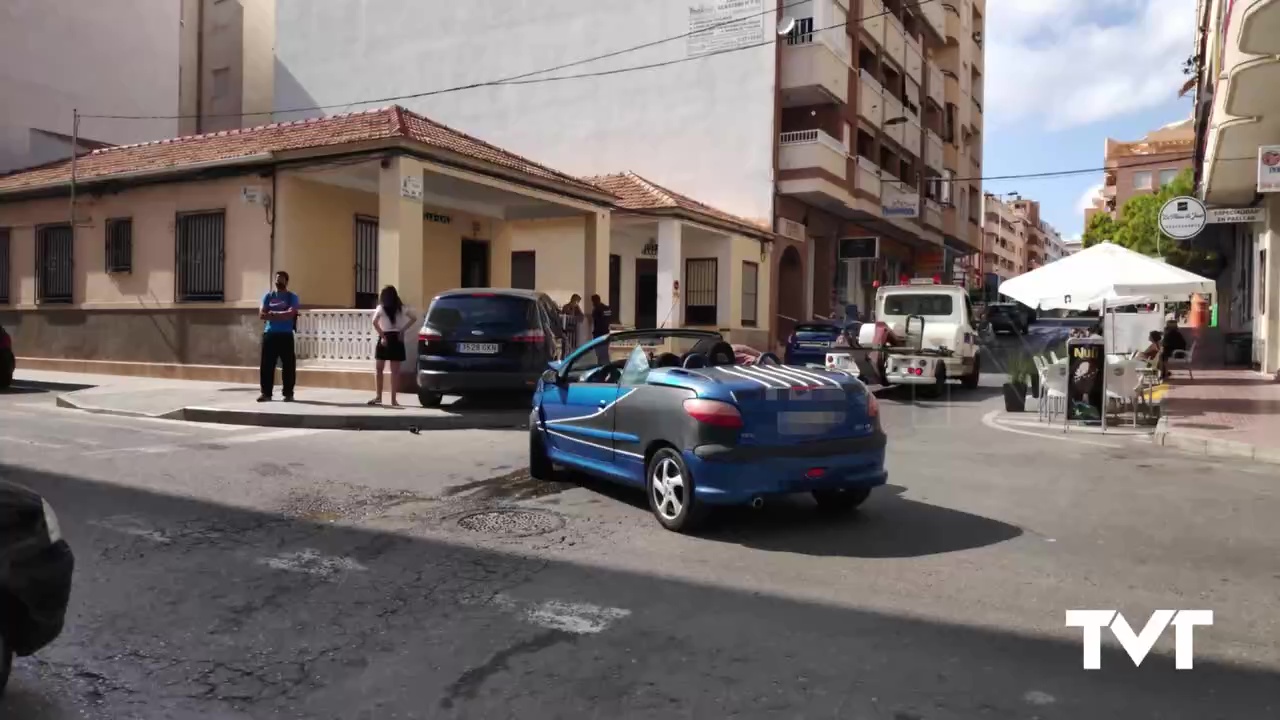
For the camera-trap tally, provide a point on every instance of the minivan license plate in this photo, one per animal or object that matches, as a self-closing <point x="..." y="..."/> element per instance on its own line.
<point x="478" y="348"/>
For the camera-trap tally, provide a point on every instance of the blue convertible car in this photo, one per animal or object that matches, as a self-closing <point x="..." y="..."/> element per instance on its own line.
<point x="680" y="419"/>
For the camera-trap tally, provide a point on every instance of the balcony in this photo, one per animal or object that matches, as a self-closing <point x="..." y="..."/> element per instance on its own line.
<point x="1258" y="21"/>
<point x="1108" y="191"/>
<point x="936" y="86"/>
<point x="810" y="149"/>
<point x="934" y="17"/>
<point x="914" y="60"/>
<point x="870" y="99"/>
<point x="933" y="156"/>
<point x="975" y="117"/>
<point x="954" y="27"/>
<point x="895" y="41"/>
<point x="911" y="131"/>
<point x="893" y="109"/>
<point x="873" y="20"/>
<point x="868" y="176"/>
<point x="933" y="214"/>
<point x="814" y="70"/>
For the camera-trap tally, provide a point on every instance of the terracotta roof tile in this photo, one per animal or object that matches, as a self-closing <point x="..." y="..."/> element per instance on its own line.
<point x="636" y="193"/>
<point x="228" y="146"/>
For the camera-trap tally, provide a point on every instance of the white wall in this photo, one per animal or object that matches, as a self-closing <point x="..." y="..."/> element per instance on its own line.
<point x="108" y="57"/>
<point x="703" y="127"/>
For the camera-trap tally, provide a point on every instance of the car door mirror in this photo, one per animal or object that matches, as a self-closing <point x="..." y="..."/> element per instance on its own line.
<point x="550" y="377"/>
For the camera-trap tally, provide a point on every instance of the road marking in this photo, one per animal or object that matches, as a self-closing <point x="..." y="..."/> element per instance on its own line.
<point x="990" y="421"/>
<point x="312" y="562"/>
<point x="574" y="617"/>
<point x="221" y="441"/>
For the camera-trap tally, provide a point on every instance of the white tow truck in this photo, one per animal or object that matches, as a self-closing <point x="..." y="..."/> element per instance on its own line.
<point x="925" y="333"/>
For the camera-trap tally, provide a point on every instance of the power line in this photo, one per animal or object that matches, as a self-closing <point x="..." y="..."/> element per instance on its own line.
<point x="528" y="79"/>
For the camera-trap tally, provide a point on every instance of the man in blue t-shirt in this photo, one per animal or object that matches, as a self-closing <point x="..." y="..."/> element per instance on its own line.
<point x="280" y="310"/>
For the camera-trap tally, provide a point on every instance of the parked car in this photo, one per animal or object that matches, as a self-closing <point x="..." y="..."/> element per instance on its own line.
<point x="1007" y="317"/>
<point x="7" y="361"/>
<point x="482" y="340"/>
<point x="35" y="575"/>
<point x="696" y="430"/>
<point x="810" y="342"/>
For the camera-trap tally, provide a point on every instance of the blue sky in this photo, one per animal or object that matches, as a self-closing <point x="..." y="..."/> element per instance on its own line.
<point x="1064" y="75"/>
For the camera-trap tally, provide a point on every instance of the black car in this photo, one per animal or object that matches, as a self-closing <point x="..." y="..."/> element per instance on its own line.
<point x="7" y="361"/>
<point x="35" y="575"/>
<point x="482" y="340"/>
<point x="810" y="342"/>
<point x="1008" y="317"/>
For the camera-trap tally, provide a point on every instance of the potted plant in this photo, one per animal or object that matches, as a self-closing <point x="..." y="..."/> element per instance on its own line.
<point x="1020" y="370"/>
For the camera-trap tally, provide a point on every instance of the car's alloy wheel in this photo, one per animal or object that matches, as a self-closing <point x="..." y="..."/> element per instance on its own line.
<point x="429" y="399"/>
<point x="670" y="490"/>
<point x="840" y="501"/>
<point x="540" y="467"/>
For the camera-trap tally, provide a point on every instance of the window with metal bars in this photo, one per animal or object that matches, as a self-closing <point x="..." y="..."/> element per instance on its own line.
<point x="750" y="293"/>
<point x="54" y="248"/>
<point x="700" y="291"/>
<point x="120" y="245"/>
<point x="201" y="256"/>
<point x="4" y="266"/>
<point x="366" y="262"/>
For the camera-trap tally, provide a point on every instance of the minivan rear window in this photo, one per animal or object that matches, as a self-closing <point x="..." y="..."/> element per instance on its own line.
<point x="917" y="305"/>
<point x="492" y="311"/>
<point x="817" y="328"/>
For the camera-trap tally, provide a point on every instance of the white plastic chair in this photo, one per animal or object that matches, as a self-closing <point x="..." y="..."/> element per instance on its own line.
<point x="1183" y="359"/>
<point x="1054" y="388"/>
<point x="1124" y="386"/>
<point x="1041" y="366"/>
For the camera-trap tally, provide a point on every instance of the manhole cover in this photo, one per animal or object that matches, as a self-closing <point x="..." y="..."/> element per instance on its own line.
<point x="513" y="523"/>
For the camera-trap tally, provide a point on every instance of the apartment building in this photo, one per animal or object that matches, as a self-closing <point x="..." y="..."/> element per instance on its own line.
<point x="1142" y="166"/>
<point x="1004" y="240"/>
<point x="111" y="57"/>
<point x="1054" y="247"/>
<point x="854" y="130"/>
<point x="226" y="64"/>
<point x="1237" y="143"/>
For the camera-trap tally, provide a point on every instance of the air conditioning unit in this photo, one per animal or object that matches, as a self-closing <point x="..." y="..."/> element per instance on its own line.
<point x="792" y="229"/>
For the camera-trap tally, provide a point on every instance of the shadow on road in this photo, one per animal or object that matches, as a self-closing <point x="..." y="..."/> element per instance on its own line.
<point x="184" y="608"/>
<point x="886" y="526"/>
<point x="951" y="395"/>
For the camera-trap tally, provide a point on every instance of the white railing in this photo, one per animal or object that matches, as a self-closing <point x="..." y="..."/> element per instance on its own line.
<point x="798" y="137"/>
<point x="937" y="86"/>
<point x="933" y="156"/>
<point x="336" y="335"/>
<point x="868" y="176"/>
<point x="870" y="98"/>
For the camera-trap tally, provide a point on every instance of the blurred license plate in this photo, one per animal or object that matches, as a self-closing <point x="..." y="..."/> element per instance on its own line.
<point x="814" y="345"/>
<point x="808" y="423"/>
<point x="478" y="348"/>
<point x="841" y="362"/>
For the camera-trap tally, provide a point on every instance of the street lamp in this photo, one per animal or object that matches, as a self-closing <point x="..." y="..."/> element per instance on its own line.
<point x="895" y="120"/>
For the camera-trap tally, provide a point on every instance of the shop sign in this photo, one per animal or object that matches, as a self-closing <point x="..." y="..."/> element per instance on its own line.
<point x="1218" y="216"/>
<point x="1269" y="169"/>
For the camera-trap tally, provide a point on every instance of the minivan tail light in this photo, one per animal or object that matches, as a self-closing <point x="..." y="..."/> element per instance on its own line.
<point x="533" y="336"/>
<point x="425" y="335"/>
<point x="873" y="405"/>
<point x="713" y="412"/>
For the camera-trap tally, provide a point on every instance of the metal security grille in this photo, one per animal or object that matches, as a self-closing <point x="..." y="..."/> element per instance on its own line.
<point x="750" y="293"/>
<point x="201" y="256"/>
<point x="54" y="247"/>
<point x="4" y="266"/>
<point x="120" y="245"/>
<point x="366" y="267"/>
<point x="700" y="291"/>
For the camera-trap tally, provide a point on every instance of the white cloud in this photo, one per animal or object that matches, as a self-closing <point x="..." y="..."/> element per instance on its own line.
<point x="1086" y="200"/>
<point x="1068" y="63"/>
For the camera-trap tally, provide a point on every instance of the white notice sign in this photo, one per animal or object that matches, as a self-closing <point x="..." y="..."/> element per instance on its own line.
<point x="411" y="187"/>
<point x="1183" y="218"/>
<point x="719" y="25"/>
<point x="1219" y="216"/>
<point x="1269" y="169"/>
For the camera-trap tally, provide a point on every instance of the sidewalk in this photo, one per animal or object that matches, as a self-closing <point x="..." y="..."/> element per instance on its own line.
<point x="1223" y="413"/>
<point x="233" y="404"/>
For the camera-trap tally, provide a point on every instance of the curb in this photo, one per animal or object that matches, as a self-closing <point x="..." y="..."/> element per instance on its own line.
<point x="391" y="421"/>
<point x="1212" y="447"/>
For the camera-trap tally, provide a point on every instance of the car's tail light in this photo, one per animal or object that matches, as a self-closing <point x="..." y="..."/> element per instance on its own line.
<point x="873" y="406"/>
<point x="533" y="336"/>
<point x="713" y="412"/>
<point x="428" y="335"/>
<point x="791" y="339"/>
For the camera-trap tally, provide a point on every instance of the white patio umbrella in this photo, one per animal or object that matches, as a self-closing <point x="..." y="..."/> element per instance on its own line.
<point x="1104" y="274"/>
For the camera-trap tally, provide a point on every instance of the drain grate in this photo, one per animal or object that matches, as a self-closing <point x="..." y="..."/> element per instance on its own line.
<point x="511" y="523"/>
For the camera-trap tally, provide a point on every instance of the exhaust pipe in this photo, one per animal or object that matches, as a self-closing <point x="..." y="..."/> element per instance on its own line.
<point x="757" y="502"/>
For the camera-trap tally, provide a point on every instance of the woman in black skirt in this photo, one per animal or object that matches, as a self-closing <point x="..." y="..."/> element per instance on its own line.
<point x="390" y="321"/>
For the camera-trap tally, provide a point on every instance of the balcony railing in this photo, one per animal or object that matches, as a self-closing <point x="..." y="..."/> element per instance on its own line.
<point x="934" y="16"/>
<point x="895" y="42"/>
<point x="937" y="84"/>
<point x="868" y="176"/>
<point x="803" y="149"/>
<point x="337" y="335"/>
<point x="933" y="155"/>
<point x="932" y="213"/>
<point x="914" y="61"/>
<point x="870" y="99"/>
<point x="815" y="66"/>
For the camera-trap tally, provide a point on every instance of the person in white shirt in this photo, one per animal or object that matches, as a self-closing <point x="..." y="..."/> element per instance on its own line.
<point x="390" y="321"/>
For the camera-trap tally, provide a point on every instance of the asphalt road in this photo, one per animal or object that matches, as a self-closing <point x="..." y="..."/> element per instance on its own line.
<point x="252" y="573"/>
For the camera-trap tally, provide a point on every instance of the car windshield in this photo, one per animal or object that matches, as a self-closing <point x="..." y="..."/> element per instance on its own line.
<point x="480" y="310"/>
<point x="918" y="304"/>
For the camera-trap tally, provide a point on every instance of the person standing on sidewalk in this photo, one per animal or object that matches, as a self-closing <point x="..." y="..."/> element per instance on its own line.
<point x="280" y="311"/>
<point x="601" y="317"/>
<point x="390" y="321"/>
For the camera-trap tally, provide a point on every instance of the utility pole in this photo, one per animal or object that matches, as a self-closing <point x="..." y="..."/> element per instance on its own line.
<point x="75" y="150"/>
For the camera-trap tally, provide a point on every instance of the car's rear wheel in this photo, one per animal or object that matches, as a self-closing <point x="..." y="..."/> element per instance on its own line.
<point x="670" y="490"/>
<point x="6" y="663"/>
<point x="429" y="399"/>
<point x="840" y="501"/>
<point x="970" y="381"/>
<point x="540" y="467"/>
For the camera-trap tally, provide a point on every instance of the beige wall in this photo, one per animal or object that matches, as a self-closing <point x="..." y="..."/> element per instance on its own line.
<point x="154" y="210"/>
<point x="561" y="262"/>
<point x="315" y="237"/>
